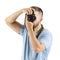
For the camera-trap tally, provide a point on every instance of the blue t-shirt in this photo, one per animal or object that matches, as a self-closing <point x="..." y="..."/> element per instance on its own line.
<point x="45" y="37"/>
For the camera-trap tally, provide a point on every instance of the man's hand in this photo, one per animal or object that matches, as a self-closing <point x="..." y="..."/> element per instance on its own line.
<point x="27" y="10"/>
<point x="29" y="25"/>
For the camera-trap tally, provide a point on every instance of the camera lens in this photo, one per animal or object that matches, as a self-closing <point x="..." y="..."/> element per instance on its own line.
<point x="31" y="17"/>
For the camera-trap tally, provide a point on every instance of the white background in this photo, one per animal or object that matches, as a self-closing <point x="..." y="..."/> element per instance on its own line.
<point x="11" y="43"/>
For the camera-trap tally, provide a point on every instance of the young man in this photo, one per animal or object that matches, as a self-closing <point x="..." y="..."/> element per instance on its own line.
<point x="37" y="39"/>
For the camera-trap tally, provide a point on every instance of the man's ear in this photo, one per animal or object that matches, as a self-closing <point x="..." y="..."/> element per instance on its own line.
<point x="41" y="19"/>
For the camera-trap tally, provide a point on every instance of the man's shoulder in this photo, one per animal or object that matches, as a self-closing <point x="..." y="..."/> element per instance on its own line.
<point x="46" y="32"/>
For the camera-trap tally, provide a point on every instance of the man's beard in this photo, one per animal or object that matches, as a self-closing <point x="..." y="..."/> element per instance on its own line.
<point x="34" y="26"/>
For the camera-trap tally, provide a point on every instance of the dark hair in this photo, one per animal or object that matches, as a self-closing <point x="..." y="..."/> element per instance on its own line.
<point x="37" y="9"/>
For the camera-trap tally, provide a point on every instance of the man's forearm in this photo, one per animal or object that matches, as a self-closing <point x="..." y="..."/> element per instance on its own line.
<point x="33" y="40"/>
<point x="12" y="18"/>
<point x="36" y="44"/>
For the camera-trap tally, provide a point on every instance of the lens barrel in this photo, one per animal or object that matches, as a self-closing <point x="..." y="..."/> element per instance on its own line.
<point x="31" y="17"/>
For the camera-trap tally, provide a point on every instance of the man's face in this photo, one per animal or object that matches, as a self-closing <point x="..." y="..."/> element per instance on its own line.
<point x="38" y="18"/>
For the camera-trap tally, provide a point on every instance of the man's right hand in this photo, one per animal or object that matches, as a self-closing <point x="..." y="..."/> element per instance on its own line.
<point x="27" y="10"/>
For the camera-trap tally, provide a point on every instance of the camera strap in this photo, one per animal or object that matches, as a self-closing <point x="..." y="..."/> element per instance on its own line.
<point x="40" y="30"/>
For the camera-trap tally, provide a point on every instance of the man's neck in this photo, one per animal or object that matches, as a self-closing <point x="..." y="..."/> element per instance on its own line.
<point x="36" y="29"/>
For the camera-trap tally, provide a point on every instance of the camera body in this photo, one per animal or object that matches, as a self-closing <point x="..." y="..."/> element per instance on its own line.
<point x="31" y="17"/>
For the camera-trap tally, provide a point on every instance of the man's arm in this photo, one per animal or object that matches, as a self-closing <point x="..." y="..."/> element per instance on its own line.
<point x="11" y="20"/>
<point x="36" y="44"/>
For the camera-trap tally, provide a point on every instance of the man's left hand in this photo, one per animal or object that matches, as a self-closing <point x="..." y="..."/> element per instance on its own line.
<point x="29" y="25"/>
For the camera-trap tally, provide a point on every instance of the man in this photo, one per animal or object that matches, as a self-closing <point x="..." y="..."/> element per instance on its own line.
<point x="37" y="39"/>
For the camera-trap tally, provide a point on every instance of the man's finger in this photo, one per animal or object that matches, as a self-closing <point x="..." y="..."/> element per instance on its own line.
<point x="26" y="16"/>
<point x="30" y="11"/>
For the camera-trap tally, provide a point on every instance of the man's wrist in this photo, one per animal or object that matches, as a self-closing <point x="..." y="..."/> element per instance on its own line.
<point x="30" y="32"/>
<point x="30" y="29"/>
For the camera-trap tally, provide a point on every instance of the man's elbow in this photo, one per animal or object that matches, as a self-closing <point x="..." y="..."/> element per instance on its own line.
<point x="8" y="21"/>
<point x="38" y="50"/>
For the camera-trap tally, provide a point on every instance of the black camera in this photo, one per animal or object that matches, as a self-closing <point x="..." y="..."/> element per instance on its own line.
<point x="31" y="17"/>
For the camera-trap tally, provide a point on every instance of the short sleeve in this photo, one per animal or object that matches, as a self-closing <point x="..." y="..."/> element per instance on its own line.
<point x="46" y="39"/>
<point x="22" y="30"/>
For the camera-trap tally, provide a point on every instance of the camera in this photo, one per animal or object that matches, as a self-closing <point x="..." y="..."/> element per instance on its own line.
<point x="31" y="17"/>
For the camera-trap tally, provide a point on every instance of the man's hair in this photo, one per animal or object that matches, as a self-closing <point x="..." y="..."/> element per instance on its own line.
<point x="37" y="9"/>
